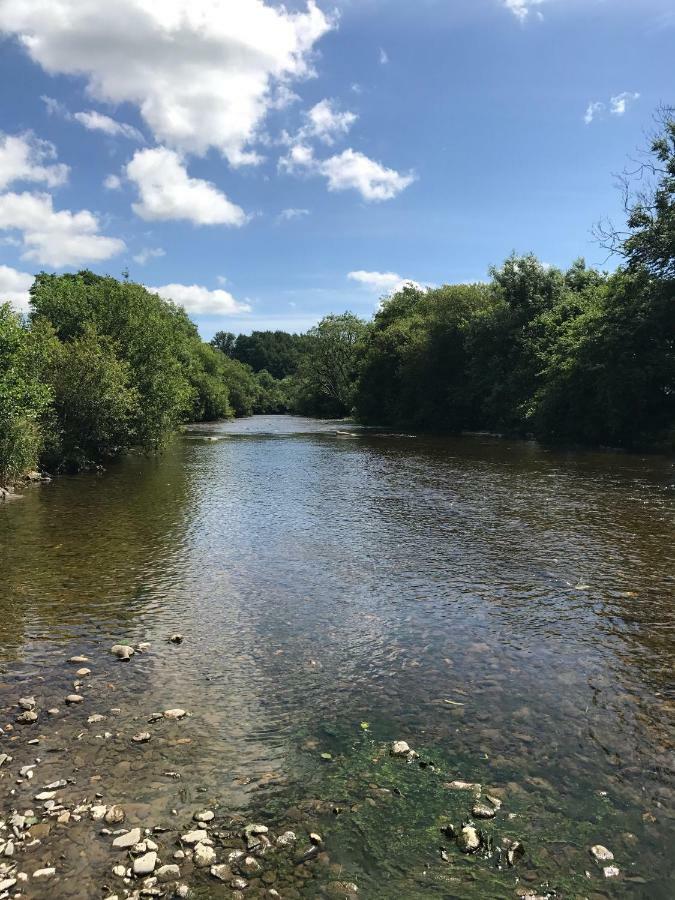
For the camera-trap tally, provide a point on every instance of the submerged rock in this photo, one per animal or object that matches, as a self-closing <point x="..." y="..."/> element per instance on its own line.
<point x="468" y="839"/>
<point x="27" y="702"/>
<point x="27" y="717"/>
<point x="176" y="639"/>
<point x="611" y="872"/>
<point x="122" y="651"/>
<point x="222" y="872"/>
<point x="167" y="873"/>
<point x="141" y="738"/>
<point x="72" y="699"/>
<point x="204" y="856"/>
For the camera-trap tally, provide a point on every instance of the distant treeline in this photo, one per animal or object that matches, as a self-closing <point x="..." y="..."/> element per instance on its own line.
<point x="578" y="356"/>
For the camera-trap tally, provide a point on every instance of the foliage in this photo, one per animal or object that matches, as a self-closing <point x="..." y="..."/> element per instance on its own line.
<point x="328" y="370"/>
<point x="276" y="352"/>
<point x="24" y="397"/>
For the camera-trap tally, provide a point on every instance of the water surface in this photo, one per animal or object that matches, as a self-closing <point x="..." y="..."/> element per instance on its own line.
<point x="335" y="591"/>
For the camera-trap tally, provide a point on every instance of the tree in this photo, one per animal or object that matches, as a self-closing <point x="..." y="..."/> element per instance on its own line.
<point x="328" y="371"/>
<point x="224" y="341"/>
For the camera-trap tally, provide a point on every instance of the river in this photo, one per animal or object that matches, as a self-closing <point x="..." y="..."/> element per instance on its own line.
<point x="505" y="609"/>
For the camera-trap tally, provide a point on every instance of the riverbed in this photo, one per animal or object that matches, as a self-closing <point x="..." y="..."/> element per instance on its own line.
<point x="505" y="609"/>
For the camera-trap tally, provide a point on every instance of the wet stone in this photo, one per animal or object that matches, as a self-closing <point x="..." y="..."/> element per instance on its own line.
<point x="122" y="651"/>
<point x="483" y="811"/>
<point x="72" y="699"/>
<point x="600" y="853"/>
<point x="468" y="839"/>
<point x="115" y="815"/>
<point x="144" y="865"/>
<point x="128" y="839"/>
<point x="204" y="856"/>
<point x="167" y="873"/>
<point x="222" y="872"/>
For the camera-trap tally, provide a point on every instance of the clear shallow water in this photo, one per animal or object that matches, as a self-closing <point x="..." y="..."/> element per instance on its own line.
<point x="321" y="581"/>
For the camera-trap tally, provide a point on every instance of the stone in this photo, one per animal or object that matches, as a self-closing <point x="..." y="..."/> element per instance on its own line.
<point x="315" y="838"/>
<point x="142" y="737"/>
<point x="341" y="889"/>
<point x="120" y="871"/>
<point x="74" y="698"/>
<point x="97" y="717"/>
<point x="174" y="714"/>
<point x="27" y="703"/>
<point x="182" y="891"/>
<point x="483" y="811"/>
<point x="249" y="866"/>
<point x="83" y="672"/>
<point x="98" y="812"/>
<point x="122" y="651"/>
<point x="167" y="873"/>
<point x="45" y="795"/>
<point x="44" y="873"/>
<point x="194" y="837"/>
<point x="221" y="872"/>
<point x="206" y="816"/>
<point x="204" y="856"/>
<point x="239" y="884"/>
<point x="6" y="884"/>
<point x="400" y="748"/>
<point x="464" y="786"/>
<point x="610" y="872"/>
<point x="27" y="717"/>
<point x="144" y="865"/>
<point x="468" y="839"/>
<point x="128" y="839"/>
<point x="115" y="815"/>
<point x="287" y="839"/>
<point x="600" y="853"/>
<point x="176" y="639"/>
<point x="54" y="711"/>
<point x="77" y="660"/>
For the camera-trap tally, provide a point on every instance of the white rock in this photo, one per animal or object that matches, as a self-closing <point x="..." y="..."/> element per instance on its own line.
<point x="7" y="883"/>
<point x="167" y="873"/>
<point x="611" y="872"/>
<point x="195" y="837"/>
<point x="27" y="702"/>
<point x="44" y="873"/>
<point x="204" y="856"/>
<point x="287" y="839"/>
<point x="97" y="717"/>
<point x="71" y="699"/>
<point x="174" y="713"/>
<point x="206" y="816"/>
<point x="222" y="872"/>
<point x="128" y="839"/>
<point x="83" y="672"/>
<point x="400" y="748"/>
<point x="600" y="853"/>
<point x="122" y="651"/>
<point x="120" y="871"/>
<point x="144" y="865"/>
<point x="98" y="812"/>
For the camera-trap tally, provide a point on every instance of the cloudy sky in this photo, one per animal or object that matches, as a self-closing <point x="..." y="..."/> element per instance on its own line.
<point x="266" y="164"/>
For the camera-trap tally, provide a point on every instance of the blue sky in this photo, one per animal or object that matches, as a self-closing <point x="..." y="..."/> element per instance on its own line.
<point x="266" y="165"/>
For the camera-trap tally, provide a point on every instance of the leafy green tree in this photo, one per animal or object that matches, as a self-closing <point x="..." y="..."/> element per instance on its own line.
<point x="24" y="397"/>
<point x="224" y="341"/>
<point x="328" y="371"/>
<point x="276" y="352"/>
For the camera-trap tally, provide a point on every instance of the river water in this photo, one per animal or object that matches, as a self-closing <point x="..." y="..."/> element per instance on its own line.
<point x="505" y="609"/>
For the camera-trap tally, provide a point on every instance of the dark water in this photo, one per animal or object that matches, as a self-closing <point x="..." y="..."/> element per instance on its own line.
<point x="335" y="593"/>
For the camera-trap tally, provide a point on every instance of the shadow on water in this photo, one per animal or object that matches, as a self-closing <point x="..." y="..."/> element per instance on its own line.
<point x="505" y="609"/>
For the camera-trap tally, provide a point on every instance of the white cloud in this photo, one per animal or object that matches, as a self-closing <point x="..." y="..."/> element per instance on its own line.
<point x="288" y="215"/>
<point x="96" y="121"/>
<point x="327" y="123"/>
<point x="148" y="253"/>
<point x="112" y="182"/>
<point x="199" y="300"/>
<point x="55" y="237"/>
<point x="619" y="104"/>
<point x="384" y="58"/>
<point x="349" y="170"/>
<point x="14" y="287"/>
<point x="382" y="282"/>
<point x="593" y="110"/>
<point x="203" y="74"/>
<point x="166" y="191"/>
<point x="24" y="157"/>
<point x="521" y="8"/>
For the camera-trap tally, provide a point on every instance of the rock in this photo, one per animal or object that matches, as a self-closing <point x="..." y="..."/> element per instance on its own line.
<point x="600" y="853"/>
<point x="206" y="816"/>
<point x="97" y="717"/>
<point x="176" y="639"/>
<point x="611" y="872"/>
<point x="464" y="786"/>
<point x="74" y="698"/>
<point x="287" y="839"/>
<point x="239" y="884"/>
<point x="54" y="711"/>
<point x="45" y="795"/>
<point x="194" y="837"/>
<point x="144" y="865"/>
<point x="6" y="884"/>
<point x="179" y="854"/>
<point x="120" y="871"/>
<point x="77" y="660"/>
<point x="27" y="717"/>
<point x="316" y="838"/>
<point x="468" y="840"/>
<point x="122" y="651"/>
<point x="204" y="856"/>
<point x="44" y="873"/>
<point x="27" y="703"/>
<point x="514" y="850"/>
<point x="128" y="839"/>
<point x="174" y="714"/>
<point x="4" y="757"/>
<point x="249" y="866"/>
<point x="115" y="815"/>
<point x="142" y="737"/>
<point x="222" y="872"/>
<point x="182" y="891"/>
<point x="98" y="812"/>
<point x="83" y="672"/>
<point x="483" y="811"/>
<point x="400" y="748"/>
<point x="167" y="873"/>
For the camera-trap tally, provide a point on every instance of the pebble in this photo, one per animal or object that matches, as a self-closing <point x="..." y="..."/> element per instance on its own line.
<point x="115" y="815"/>
<point x="287" y="839"/>
<point x="194" y="837"/>
<point x="206" y="816"/>
<point x="122" y="651"/>
<point x="120" y="871"/>
<point x="27" y="717"/>
<point x="78" y="659"/>
<point x="54" y="711"/>
<point x="204" y="856"/>
<point x="83" y="672"/>
<point x="27" y="702"/>
<point x="97" y="717"/>
<point x="128" y="839"/>
<point x="142" y="737"/>
<point x="44" y="873"/>
<point x="74" y="698"/>
<point x="7" y="883"/>
<point x="468" y="839"/>
<point x="610" y="871"/>
<point x="463" y="786"/>
<point x="400" y="748"/>
<point x="167" y="873"/>
<point x="600" y="853"/>
<point x="174" y="713"/>
<point x="182" y="891"/>
<point x="176" y="638"/>
<point x="144" y="865"/>
<point x="45" y="795"/>
<point x="483" y="811"/>
<point x="221" y="872"/>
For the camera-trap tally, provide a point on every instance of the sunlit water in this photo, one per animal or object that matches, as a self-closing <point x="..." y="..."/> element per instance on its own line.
<point x="322" y="581"/>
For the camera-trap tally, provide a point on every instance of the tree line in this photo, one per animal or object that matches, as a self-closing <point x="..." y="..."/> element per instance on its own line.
<point x="101" y="365"/>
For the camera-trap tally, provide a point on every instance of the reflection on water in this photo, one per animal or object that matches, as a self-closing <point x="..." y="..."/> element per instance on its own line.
<point x="322" y="580"/>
